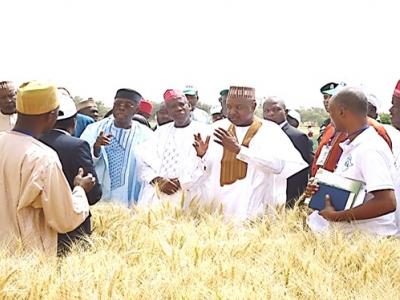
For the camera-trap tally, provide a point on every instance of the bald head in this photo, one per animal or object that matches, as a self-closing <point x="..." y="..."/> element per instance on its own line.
<point x="348" y="110"/>
<point x="351" y="99"/>
<point x="275" y="100"/>
<point x="274" y="109"/>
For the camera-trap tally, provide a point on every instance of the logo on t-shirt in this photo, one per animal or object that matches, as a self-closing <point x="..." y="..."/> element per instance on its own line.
<point x="348" y="163"/>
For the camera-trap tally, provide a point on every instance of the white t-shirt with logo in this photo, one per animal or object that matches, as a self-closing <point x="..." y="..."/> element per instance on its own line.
<point x="368" y="159"/>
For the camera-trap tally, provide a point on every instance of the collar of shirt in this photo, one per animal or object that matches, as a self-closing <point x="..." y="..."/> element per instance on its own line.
<point x="283" y="124"/>
<point x="62" y="131"/>
<point x="361" y="138"/>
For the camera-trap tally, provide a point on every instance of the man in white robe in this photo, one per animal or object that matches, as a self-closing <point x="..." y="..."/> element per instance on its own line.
<point x="249" y="160"/>
<point x="171" y="161"/>
<point x="114" y="142"/>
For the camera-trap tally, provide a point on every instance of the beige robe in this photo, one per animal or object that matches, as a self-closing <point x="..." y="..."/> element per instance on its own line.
<point x="35" y="199"/>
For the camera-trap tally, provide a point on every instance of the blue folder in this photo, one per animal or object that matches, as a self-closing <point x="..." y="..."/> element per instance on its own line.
<point x="339" y="197"/>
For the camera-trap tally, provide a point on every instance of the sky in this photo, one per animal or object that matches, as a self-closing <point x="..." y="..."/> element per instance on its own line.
<point x="284" y="48"/>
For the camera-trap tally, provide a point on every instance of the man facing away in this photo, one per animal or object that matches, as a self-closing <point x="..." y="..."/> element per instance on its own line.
<point x="367" y="158"/>
<point x="74" y="153"/>
<point x="172" y="165"/>
<point x="114" y="142"/>
<point x="8" y="114"/>
<point x="274" y="110"/>
<point x="36" y="199"/>
<point x="249" y="160"/>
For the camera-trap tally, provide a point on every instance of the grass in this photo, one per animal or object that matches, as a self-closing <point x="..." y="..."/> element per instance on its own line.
<point x="166" y="254"/>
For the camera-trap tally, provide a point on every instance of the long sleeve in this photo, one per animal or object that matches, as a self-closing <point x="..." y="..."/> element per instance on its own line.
<point x="267" y="161"/>
<point x="276" y="154"/>
<point x="90" y="135"/>
<point x="195" y="175"/>
<point x="304" y="146"/>
<point x="63" y="210"/>
<point x="83" y="159"/>
<point x="148" y="160"/>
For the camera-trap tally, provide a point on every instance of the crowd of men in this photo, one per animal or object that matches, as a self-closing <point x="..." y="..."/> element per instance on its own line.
<point x="57" y="158"/>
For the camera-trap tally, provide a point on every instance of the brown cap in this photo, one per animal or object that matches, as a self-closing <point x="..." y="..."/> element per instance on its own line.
<point x="242" y="92"/>
<point x="85" y="103"/>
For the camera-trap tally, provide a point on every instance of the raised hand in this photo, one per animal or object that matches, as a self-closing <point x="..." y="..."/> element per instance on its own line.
<point x="102" y="140"/>
<point x="227" y="140"/>
<point x="86" y="182"/>
<point x="200" y="145"/>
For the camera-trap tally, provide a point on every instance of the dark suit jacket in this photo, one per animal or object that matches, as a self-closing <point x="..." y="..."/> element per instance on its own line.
<point x="297" y="183"/>
<point x="74" y="153"/>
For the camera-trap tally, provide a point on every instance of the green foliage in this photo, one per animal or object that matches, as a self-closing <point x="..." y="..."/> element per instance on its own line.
<point x="103" y="109"/>
<point x="385" y="118"/>
<point x="77" y="99"/>
<point x="314" y="116"/>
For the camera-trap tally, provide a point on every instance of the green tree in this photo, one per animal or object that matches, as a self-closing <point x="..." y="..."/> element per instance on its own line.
<point x="314" y="115"/>
<point x="385" y="118"/>
<point x="103" y="109"/>
<point x="77" y="99"/>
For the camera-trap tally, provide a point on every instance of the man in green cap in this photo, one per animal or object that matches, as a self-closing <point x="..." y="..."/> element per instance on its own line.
<point x="199" y="115"/>
<point x="327" y="91"/>
<point x="222" y="100"/>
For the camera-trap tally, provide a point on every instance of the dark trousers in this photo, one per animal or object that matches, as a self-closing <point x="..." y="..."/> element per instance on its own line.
<point x="65" y="240"/>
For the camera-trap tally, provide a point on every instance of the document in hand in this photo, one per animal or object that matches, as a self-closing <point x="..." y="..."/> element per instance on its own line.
<point x="345" y="193"/>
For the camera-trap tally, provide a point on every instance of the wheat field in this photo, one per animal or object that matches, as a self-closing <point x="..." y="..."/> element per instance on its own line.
<point x="168" y="254"/>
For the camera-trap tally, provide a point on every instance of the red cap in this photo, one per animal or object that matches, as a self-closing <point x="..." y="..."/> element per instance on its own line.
<point x="396" y="92"/>
<point x="145" y="106"/>
<point x="172" y="94"/>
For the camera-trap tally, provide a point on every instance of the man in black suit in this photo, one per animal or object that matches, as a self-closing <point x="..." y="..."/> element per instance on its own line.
<point x="274" y="110"/>
<point x="74" y="153"/>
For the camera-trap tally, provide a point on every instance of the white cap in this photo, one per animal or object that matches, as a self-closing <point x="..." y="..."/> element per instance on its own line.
<point x="67" y="106"/>
<point x="295" y="115"/>
<point x="372" y="99"/>
<point x="216" y="109"/>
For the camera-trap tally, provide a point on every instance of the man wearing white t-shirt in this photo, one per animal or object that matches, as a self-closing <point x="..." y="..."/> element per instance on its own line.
<point x="367" y="158"/>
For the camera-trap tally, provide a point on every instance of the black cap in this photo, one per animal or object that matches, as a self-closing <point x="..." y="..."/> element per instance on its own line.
<point x="128" y="94"/>
<point x="329" y="86"/>
<point x="224" y="92"/>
